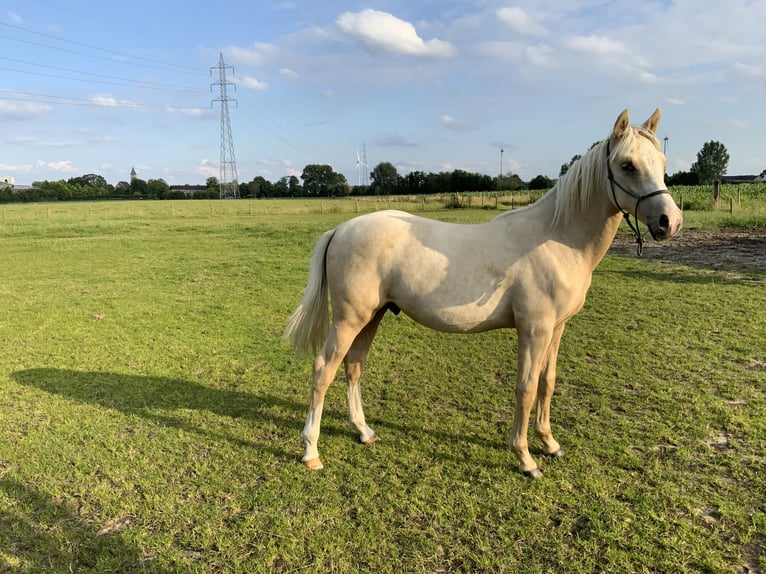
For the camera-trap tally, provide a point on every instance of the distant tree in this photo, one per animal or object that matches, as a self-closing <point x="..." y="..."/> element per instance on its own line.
<point x="683" y="178"/>
<point x="565" y="167"/>
<point x="294" y="186"/>
<point x="260" y="187"/>
<point x="462" y="181"/>
<point x="279" y="188"/>
<point x="385" y="179"/>
<point x="540" y="182"/>
<point x="157" y="188"/>
<point x="212" y="183"/>
<point x="712" y="162"/>
<point x="323" y="181"/>
<point x="509" y="182"/>
<point x="414" y="183"/>
<point x="138" y="188"/>
<point x="89" y="180"/>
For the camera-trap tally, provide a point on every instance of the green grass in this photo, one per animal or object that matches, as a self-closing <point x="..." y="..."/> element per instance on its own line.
<point x="150" y="414"/>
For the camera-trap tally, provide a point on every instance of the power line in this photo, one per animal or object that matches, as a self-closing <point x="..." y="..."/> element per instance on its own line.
<point x="34" y="97"/>
<point x="138" y="83"/>
<point x="92" y="47"/>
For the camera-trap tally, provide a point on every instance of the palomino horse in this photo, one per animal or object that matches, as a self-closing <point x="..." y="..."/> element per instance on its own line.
<point x="529" y="268"/>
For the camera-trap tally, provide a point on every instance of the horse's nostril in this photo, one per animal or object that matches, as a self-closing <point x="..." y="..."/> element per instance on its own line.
<point x="664" y="222"/>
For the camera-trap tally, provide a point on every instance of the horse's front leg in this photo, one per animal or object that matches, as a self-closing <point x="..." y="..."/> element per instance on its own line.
<point x="545" y="389"/>
<point x="533" y="344"/>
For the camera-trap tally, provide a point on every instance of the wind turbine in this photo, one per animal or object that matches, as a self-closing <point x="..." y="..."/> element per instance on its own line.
<point x="361" y="166"/>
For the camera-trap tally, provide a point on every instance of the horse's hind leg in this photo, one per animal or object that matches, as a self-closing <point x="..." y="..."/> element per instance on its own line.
<point x="354" y="363"/>
<point x="326" y="363"/>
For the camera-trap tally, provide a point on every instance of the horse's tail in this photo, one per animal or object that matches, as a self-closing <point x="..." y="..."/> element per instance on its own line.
<point x="307" y="327"/>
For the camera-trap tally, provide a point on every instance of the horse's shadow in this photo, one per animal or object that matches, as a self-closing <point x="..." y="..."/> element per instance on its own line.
<point x="157" y="399"/>
<point x="42" y="534"/>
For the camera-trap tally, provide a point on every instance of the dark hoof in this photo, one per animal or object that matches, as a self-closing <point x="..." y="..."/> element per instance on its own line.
<point x="535" y="473"/>
<point x="556" y="453"/>
<point x="374" y="438"/>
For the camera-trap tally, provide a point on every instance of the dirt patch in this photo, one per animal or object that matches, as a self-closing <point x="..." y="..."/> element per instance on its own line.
<point x="727" y="250"/>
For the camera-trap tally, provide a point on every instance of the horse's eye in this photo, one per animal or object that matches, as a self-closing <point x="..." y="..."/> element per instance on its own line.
<point x="628" y="167"/>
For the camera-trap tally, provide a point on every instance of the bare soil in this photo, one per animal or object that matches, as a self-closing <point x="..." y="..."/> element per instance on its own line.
<point x="732" y="250"/>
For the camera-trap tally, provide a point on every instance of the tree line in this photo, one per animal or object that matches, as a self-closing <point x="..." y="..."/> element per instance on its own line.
<point x="316" y="180"/>
<point x="321" y="180"/>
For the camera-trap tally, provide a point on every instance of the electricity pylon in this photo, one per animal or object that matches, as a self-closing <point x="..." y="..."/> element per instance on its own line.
<point x="228" y="183"/>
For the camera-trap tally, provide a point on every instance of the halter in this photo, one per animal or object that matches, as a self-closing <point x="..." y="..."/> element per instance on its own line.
<point x="637" y="197"/>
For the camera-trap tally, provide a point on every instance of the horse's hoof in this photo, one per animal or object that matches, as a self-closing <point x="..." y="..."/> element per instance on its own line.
<point x="534" y="474"/>
<point x="314" y="464"/>
<point x="556" y="453"/>
<point x="370" y="440"/>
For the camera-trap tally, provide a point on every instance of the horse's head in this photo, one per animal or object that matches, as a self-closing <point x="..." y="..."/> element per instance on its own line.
<point x="636" y="170"/>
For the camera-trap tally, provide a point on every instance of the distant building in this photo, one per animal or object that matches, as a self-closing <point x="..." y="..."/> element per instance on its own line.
<point x="742" y="178"/>
<point x="6" y="181"/>
<point x="122" y="186"/>
<point x="133" y="175"/>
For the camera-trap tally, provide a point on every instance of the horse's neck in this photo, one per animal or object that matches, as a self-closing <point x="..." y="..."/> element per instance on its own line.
<point x="590" y="232"/>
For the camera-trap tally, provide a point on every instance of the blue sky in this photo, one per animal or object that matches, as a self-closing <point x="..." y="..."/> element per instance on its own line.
<point x="100" y="87"/>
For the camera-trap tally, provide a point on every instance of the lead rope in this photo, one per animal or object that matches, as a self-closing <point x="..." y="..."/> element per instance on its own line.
<point x="636" y="232"/>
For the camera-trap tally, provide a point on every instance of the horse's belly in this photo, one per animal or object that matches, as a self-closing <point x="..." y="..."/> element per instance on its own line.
<point x="465" y="318"/>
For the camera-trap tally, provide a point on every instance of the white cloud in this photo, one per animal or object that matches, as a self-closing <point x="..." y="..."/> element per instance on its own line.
<point x="259" y="54"/>
<point x="454" y="124"/>
<point x="62" y="166"/>
<point x="190" y="112"/>
<point x="381" y="30"/>
<point x="254" y="84"/>
<point x="749" y="70"/>
<point x="288" y="73"/>
<point x="540" y="55"/>
<point x="207" y="168"/>
<point x="108" y="101"/>
<point x="15" y="18"/>
<point x="676" y="101"/>
<point x="16" y="168"/>
<point x="594" y="44"/>
<point x="521" y="22"/>
<point x="18" y="110"/>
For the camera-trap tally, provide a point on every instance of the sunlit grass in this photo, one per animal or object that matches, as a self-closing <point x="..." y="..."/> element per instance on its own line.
<point x="149" y="413"/>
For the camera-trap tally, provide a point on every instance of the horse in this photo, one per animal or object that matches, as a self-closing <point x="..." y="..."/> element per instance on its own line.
<point x="528" y="269"/>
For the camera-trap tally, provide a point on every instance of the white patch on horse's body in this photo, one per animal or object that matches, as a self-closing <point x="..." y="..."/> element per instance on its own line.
<point x="529" y="269"/>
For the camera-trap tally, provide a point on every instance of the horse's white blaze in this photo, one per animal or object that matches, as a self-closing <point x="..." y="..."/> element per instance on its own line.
<point x="528" y="268"/>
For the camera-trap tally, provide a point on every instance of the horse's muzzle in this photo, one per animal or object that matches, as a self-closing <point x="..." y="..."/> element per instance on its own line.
<point x="666" y="224"/>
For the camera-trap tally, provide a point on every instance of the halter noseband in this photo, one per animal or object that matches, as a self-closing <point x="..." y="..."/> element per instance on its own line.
<point x="637" y="197"/>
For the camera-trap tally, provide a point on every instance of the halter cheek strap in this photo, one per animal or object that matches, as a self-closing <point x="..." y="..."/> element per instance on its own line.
<point x="639" y="198"/>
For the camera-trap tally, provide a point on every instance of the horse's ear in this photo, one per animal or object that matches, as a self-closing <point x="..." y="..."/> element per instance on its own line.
<point x="652" y="123"/>
<point x="621" y="125"/>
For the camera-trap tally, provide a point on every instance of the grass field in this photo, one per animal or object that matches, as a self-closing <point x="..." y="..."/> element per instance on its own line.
<point x="150" y="414"/>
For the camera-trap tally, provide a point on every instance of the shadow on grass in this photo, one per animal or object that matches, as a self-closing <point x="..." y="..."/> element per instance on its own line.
<point x="38" y="534"/>
<point x="152" y="397"/>
<point x="276" y="419"/>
